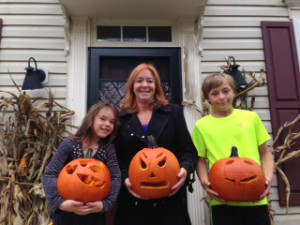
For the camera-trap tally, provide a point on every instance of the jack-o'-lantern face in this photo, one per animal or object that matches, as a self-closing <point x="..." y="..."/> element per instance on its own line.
<point x="153" y="172"/>
<point x="84" y="180"/>
<point x="237" y="179"/>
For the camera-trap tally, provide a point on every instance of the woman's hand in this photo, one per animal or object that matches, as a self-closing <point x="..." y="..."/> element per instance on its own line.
<point x="182" y="175"/>
<point x="129" y="188"/>
<point x="80" y="208"/>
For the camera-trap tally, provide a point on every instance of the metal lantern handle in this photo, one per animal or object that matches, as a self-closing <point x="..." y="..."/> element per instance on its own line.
<point x="31" y="58"/>
<point x="232" y="59"/>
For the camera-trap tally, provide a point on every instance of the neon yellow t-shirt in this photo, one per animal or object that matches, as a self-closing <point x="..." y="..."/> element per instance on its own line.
<point x="214" y="138"/>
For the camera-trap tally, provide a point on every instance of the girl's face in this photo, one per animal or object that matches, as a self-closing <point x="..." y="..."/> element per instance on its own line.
<point x="104" y="123"/>
<point x="221" y="98"/>
<point x="144" y="86"/>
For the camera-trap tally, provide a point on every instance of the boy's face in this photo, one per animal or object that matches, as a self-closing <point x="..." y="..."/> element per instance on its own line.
<point x="221" y="98"/>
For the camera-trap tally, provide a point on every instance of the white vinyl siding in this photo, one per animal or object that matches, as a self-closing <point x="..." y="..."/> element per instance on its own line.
<point x="34" y="28"/>
<point x="233" y="28"/>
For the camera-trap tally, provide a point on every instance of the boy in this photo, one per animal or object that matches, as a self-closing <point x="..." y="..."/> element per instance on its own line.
<point x="215" y="134"/>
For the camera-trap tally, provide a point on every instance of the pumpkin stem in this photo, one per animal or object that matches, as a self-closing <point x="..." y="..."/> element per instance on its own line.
<point x="234" y="152"/>
<point x="89" y="153"/>
<point x="152" y="142"/>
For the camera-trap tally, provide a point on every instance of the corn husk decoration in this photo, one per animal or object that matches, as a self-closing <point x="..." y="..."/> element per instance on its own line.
<point x="30" y="132"/>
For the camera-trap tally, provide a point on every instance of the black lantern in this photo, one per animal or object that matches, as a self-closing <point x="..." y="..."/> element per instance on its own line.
<point x="34" y="77"/>
<point x="236" y="74"/>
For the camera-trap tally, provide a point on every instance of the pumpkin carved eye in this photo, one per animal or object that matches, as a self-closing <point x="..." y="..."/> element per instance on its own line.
<point x="162" y="162"/>
<point x="70" y="169"/>
<point x="143" y="164"/>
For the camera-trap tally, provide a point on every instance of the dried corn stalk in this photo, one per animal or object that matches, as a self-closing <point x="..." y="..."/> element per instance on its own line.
<point x="29" y="137"/>
<point x="284" y="153"/>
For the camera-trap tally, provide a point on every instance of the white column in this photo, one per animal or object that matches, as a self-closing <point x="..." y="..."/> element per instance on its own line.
<point x="78" y="61"/>
<point x="190" y="35"/>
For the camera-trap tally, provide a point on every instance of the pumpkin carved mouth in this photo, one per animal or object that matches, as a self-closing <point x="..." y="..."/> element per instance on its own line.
<point x="162" y="184"/>
<point x="90" y="180"/>
<point x="246" y="180"/>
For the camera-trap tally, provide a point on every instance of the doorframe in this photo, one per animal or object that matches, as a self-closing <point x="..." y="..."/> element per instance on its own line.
<point x="94" y="62"/>
<point x="79" y="37"/>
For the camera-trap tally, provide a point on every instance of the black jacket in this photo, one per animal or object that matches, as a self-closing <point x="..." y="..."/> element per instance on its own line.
<point x="169" y="128"/>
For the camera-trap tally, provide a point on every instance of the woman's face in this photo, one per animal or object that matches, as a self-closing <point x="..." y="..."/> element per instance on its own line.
<point x="144" y="87"/>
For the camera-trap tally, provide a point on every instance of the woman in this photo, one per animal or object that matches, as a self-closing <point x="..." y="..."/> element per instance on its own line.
<point x="145" y="112"/>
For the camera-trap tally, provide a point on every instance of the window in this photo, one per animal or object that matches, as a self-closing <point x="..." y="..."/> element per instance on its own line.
<point x="134" y="33"/>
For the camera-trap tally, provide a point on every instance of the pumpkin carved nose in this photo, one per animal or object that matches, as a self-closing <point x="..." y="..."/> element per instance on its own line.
<point x="152" y="175"/>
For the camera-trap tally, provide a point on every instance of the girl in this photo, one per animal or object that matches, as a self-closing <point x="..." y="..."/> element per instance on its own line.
<point x="96" y="133"/>
<point x="215" y="134"/>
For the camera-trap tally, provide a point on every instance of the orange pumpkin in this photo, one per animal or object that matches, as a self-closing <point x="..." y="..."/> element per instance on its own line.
<point x="153" y="171"/>
<point x="84" y="180"/>
<point x="237" y="179"/>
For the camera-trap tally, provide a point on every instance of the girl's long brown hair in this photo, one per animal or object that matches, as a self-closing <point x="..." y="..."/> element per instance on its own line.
<point x="129" y="103"/>
<point x="86" y="130"/>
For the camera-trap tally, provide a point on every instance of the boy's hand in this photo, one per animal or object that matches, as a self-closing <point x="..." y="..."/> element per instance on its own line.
<point x="211" y="193"/>
<point x="267" y="189"/>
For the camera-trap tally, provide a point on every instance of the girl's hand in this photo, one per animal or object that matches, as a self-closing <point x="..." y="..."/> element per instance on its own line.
<point x="90" y="207"/>
<point x="182" y="175"/>
<point x="80" y="208"/>
<point x="211" y="193"/>
<point x="70" y="205"/>
<point x="129" y="188"/>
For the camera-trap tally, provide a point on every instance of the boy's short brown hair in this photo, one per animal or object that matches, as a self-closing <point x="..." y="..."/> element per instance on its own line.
<point x="215" y="80"/>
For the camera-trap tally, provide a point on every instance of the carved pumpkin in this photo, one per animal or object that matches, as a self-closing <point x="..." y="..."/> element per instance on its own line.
<point x="153" y="171"/>
<point x="237" y="179"/>
<point x="84" y="180"/>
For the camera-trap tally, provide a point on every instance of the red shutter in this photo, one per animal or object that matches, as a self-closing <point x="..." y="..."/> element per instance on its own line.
<point x="283" y="78"/>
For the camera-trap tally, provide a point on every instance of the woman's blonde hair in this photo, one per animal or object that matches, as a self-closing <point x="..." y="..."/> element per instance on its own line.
<point x="86" y="131"/>
<point x="215" y="80"/>
<point x="129" y="103"/>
